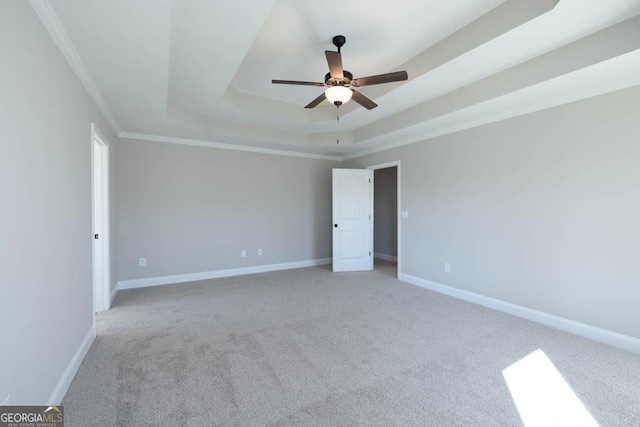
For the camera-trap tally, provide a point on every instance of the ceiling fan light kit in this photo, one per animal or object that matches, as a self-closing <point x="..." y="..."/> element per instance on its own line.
<point x="340" y="82"/>
<point x="338" y="95"/>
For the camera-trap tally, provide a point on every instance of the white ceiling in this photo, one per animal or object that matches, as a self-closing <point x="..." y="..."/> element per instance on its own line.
<point x="201" y="70"/>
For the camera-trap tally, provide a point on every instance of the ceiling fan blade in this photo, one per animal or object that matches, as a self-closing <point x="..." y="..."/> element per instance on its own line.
<point x="316" y="101"/>
<point x="382" y="78"/>
<point x="334" y="59"/>
<point x="363" y="100"/>
<point x="295" y="82"/>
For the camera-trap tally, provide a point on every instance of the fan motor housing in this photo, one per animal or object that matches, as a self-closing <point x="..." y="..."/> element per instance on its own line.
<point x="346" y="80"/>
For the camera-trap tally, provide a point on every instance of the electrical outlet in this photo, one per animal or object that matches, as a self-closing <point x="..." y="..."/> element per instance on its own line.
<point x="260" y="252"/>
<point x="447" y="267"/>
<point x="243" y="253"/>
<point x="142" y="262"/>
<point x="5" y="402"/>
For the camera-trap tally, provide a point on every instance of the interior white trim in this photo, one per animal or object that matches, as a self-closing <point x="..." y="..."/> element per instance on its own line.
<point x="102" y="300"/>
<point x="385" y="257"/>
<point x="114" y="293"/>
<point x="565" y="89"/>
<point x="385" y="165"/>
<point x="605" y="77"/>
<point x="615" y="339"/>
<point x="206" y="275"/>
<point x="224" y="146"/>
<point x="59" y="35"/>
<point x="65" y="380"/>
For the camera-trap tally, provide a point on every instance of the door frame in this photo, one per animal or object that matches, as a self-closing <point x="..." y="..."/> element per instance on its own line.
<point x="101" y="265"/>
<point x="397" y="164"/>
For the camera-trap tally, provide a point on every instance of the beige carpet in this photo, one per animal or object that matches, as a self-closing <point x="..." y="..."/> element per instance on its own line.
<point x="309" y="347"/>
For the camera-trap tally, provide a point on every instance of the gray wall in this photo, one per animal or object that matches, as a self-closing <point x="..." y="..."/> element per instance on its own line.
<point x="385" y="209"/>
<point x="193" y="209"/>
<point x="541" y="210"/>
<point x="46" y="292"/>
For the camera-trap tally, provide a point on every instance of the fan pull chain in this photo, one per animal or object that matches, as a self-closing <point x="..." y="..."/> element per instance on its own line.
<point x="337" y="124"/>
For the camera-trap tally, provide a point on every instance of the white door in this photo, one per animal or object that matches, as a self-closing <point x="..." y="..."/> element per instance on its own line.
<point x="101" y="259"/>
<point x="352" y="219"/>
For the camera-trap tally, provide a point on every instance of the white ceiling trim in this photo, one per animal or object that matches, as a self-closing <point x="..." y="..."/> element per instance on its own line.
<point x="223" y="146"/>
<point x="472" y="116"/>
<point x="606" y="77"/>
<point x="59" y="35"/>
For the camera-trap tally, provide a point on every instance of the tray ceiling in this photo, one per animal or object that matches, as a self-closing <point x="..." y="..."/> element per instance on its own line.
<point x="194" y="70"/>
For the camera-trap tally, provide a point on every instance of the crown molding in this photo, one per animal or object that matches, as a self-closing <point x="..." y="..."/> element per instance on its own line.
<point x="51" y="22"/>
<point x="606" y="77"/>
<point x="223" y="146"/>
<point x="484" y="113"/>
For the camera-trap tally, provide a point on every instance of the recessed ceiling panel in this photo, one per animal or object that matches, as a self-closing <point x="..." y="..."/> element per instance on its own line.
<point x="202" y="70"/>
<point x="293" y="39"/>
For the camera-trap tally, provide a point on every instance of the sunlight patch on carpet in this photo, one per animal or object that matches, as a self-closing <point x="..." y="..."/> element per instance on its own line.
<point x="542" y="395"/>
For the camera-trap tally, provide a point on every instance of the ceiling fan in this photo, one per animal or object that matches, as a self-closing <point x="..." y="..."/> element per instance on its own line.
<point x="340" y="82"/>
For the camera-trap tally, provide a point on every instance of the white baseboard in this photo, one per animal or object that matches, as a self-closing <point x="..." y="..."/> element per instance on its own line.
<point x="65" y="381"/>
<point x="385" y="257"/>
<point x="206" y="275"/>
<point x="114" y="292"/>
<point x="615" y="339"/>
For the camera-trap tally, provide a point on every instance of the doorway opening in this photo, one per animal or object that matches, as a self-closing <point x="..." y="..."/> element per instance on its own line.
<point x="386" y="216"/>
<point x="100" y="209"/>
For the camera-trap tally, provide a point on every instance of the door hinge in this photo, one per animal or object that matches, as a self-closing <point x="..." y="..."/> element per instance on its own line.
<point x="369" y="216"/>
<point x="96" y="236"/>
<point x="369" y="253"/>
<point x="369" y="180"/>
